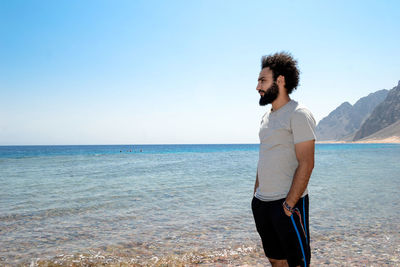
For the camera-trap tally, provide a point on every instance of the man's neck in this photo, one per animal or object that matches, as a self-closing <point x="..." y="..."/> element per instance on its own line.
<point x="280" y="102"/>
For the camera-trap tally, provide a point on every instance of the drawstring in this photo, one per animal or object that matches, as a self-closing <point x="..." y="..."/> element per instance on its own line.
<point x="296" y="210"/>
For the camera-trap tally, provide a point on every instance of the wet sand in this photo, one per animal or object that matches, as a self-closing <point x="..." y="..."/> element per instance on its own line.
<point x="389" y="140"/>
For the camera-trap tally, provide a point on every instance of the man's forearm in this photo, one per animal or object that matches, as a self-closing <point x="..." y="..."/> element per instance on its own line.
<point x="299" y="183"/>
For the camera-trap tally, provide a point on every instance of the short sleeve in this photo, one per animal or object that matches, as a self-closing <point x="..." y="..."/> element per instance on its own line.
<point x="303" y="125"/>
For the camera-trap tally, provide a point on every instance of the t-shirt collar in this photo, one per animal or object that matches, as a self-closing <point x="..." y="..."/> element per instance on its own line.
<point x="283" y="107"/>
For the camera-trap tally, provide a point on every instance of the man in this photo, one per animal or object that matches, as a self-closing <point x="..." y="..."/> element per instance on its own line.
<point x="286" y="160"/>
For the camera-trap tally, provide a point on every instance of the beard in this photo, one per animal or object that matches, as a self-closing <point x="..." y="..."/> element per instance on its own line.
<point x="270" y="95"/>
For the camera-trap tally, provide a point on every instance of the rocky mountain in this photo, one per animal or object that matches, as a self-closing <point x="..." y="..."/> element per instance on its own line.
<point x="384" y="114"/>
<point x="345" y="120"/>
<point x="334" y="126"/>
<point x="393" y="130"/>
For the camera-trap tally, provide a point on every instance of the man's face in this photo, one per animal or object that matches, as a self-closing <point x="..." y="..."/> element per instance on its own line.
<point x="267" y="87"/>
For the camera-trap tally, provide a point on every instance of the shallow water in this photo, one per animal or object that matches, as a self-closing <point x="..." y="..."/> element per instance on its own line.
<point x="187" y="204"/>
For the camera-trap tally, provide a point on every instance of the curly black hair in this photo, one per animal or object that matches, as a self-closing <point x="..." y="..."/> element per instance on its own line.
<point x="282" y="63"/>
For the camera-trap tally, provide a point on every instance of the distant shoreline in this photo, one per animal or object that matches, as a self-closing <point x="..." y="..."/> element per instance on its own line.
<point x="389" y="140"/>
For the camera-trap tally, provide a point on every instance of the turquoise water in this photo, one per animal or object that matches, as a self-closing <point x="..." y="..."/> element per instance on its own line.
<point x="170" y="199"/>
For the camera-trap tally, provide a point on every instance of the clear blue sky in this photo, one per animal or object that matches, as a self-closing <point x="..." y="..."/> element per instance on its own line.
<point x="147" y="72"/>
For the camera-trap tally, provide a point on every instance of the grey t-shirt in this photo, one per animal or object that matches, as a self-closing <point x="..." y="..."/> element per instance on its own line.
<point x="280" y="130"/>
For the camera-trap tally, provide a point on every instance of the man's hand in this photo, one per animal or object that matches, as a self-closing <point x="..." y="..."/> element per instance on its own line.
<point x="288" y="208"/>
<point x="288" y="213"/>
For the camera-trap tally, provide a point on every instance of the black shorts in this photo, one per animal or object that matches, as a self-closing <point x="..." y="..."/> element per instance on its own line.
<point x="283" y="237"/>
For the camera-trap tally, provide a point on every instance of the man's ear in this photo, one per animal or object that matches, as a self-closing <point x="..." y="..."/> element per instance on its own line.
<point x="281" y="80"/>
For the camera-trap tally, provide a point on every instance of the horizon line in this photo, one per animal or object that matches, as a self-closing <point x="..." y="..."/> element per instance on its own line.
<point x="132" y="144"/>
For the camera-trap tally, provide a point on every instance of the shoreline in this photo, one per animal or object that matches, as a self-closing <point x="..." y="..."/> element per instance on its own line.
<point x="328" y="249"/>
<point x="389" y="140"/>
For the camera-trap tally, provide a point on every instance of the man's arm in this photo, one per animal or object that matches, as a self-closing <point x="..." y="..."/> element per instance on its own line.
<point x="256" y="184"/>
<point x="305" y="157"/>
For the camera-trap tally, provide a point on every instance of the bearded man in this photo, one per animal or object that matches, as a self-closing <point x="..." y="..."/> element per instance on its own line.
<point x="286" y="160"/>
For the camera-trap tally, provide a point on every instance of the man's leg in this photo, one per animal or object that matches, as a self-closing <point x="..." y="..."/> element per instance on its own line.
<point x="270" y="240"/>
<point x="293" y="233"/>
<point x="285" y="239"/>
<point x="278" y="263"/>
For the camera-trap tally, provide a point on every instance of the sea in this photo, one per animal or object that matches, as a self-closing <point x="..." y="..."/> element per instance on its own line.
<point x="187" y="205"/>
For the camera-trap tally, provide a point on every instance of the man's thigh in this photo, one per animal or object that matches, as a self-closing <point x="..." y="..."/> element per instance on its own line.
<point x="283" y="237"/>
<point x="269" y="237"/>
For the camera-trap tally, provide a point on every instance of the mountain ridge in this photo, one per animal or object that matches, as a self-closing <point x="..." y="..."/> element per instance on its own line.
<point x="347" y="119"/>
<point x="384" y="114"/>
